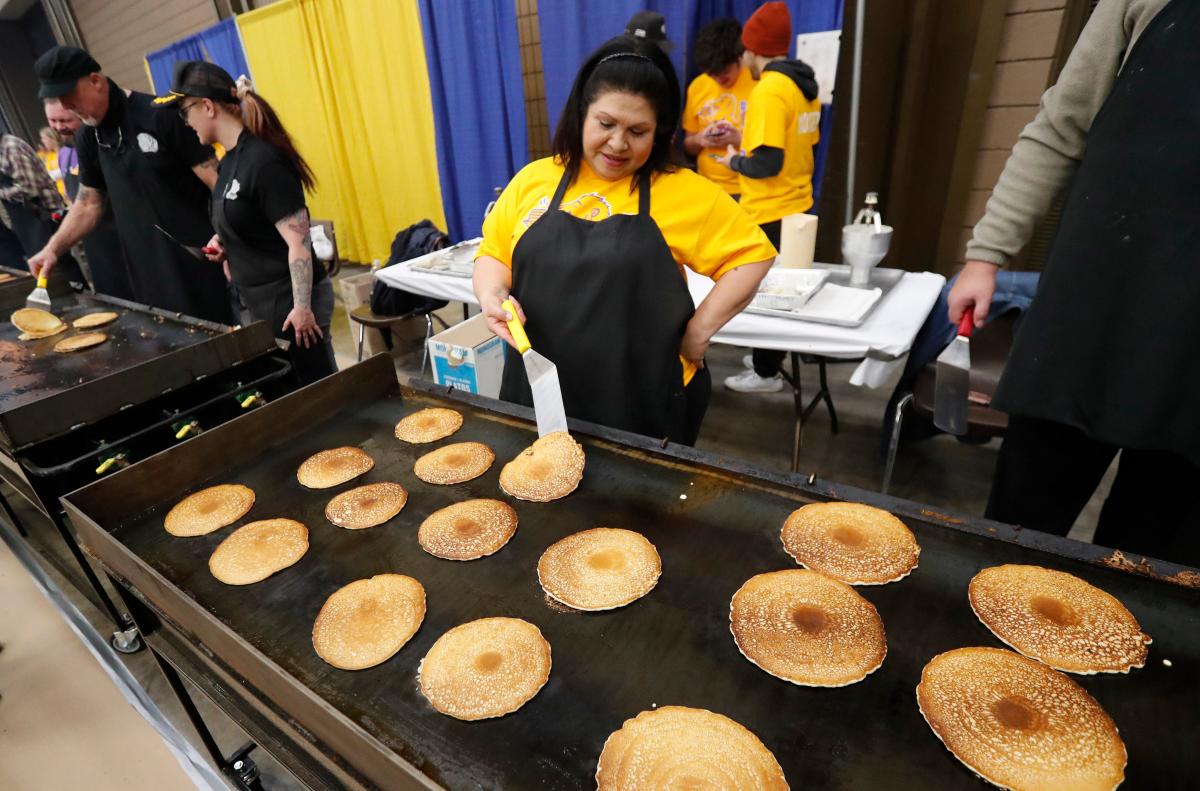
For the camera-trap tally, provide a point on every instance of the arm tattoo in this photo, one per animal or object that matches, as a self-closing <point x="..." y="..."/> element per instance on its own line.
<point x="302" y="273"/>
<point x="90" y="196"/>
<point x="298" y="223"/>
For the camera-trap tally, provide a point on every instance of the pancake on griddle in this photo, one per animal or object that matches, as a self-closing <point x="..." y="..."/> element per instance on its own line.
<point x="255" y="551"/>
<point x="333" y="467"/>
<point x="428" y="425"/>
<point x="548" y="469"/>
<point x="455" y="463"/>
<point x="1020" y="724"/>
<point x="675" y="747"/>
<point x="468" y="530"/>
<point x="485" y="668"/>
<point x="599" y="569"/>
<point x="209" y="510"/>
<point x="852" y="542"/>
<point x="807" y="628"/>
<point x="37" y="323"/>
<point x="80" y="342"/>
<point x="95" y="320"/>
<point x="37" y="336"/>
<point x="366" y="622"/>
<point x="366" y="506"/>
<point x="1058" y="619"/>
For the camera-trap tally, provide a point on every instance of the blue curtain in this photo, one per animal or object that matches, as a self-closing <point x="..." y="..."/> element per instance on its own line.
<point x="571" y="29"/>
<point x="219" y="44"/>
<point x="474" y="60"/>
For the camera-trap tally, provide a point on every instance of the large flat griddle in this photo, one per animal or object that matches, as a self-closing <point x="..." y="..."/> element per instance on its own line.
<point x="671" y="647"/>
<point x="148" y="352"/>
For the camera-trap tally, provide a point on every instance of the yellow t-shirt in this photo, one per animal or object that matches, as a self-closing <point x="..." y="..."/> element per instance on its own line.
<point x="781" y="117"/>
<point x="708" y="102"/>
<point x="704" y="228"/>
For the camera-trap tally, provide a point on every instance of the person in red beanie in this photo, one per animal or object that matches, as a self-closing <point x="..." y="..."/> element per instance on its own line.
<point x="782" y="126"/>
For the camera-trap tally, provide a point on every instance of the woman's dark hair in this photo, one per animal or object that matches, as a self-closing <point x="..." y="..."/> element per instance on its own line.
<point x="628" y="65"/>
<point x="260" y="118"/>
<point x="718" y="46"/>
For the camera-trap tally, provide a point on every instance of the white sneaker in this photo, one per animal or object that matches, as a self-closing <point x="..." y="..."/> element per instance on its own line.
<point x="747" y="361"/>
<point x="750" y="382"/>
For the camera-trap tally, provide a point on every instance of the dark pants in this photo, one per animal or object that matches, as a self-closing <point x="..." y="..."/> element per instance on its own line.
<point x="1047" y="472"/>
<point x="768" y="362"/>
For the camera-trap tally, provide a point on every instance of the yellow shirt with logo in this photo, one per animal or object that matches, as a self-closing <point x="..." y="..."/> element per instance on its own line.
<point x="780" y="116"/>
<point x="704" y="228"/>
<point x="708" y="102"/>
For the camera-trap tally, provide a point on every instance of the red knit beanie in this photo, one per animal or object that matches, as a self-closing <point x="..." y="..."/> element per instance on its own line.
<point x="768" y="31"/>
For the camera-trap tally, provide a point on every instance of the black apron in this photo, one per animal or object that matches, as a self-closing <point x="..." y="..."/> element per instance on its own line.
<point x="271" y="300"/>
<point x="161" y="273"/>
<point x="105" y="258"/>
<point x="1108" y="345"/>
<point x="606" y="303"/>
<point x="33" y="226"/>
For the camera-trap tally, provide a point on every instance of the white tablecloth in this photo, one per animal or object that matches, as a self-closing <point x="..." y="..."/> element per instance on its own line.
<point x="884" y="338"/>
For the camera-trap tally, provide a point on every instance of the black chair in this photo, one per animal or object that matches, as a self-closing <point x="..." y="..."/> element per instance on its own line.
<point x="364" y="317"/>
<point x="990" y="345"/>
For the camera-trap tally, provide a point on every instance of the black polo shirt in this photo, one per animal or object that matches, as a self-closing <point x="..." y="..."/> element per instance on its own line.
<point x="258" y="186"/>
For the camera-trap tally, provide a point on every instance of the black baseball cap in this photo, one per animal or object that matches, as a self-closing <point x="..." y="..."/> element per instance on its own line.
<point x="202" y="80"/>
<point x="651" y="26"/>
<point x="59" y="69"/>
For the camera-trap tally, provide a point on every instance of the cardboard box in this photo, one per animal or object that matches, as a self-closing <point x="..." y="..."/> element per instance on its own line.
<point x="468" y="356"/>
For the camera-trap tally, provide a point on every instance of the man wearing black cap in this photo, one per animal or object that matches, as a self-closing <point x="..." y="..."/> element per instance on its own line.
<point x="651" y="26"/>
<point x="144" y="159"/>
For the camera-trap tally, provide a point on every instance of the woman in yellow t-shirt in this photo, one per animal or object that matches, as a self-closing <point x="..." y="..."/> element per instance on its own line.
<point x="591" y="243"/>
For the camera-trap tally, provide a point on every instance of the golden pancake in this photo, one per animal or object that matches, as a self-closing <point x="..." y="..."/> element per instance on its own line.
<point x="209" y="509"/>
<point x="548" y="469"/>
<point x="455" y="463"/>
<point x="36" y="336"/>
<point x="366" y="506"/>
<point x="485" y="668"/>
<point x="599" y="569"/>
<point x="364" y="623"/>
<point x="334" y="466"/>
<point x="807" y="628"/>
<point x="468" y="530"/>
<point x="95" y="320"/>
<point x="33" y="321"/>
<point x="852" y="542"/>
<point x="428" y="425"/>
<point x="80" y="342"/>
<point x="255" y="551"/>
<point x="1058" y="619"/>
<point x="678" y="747"/>
<point x="1019" y="724"/>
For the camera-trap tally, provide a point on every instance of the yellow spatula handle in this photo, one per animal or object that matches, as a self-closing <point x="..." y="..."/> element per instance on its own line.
<point x="514" y="326"/>
<point x="42" y="281"/>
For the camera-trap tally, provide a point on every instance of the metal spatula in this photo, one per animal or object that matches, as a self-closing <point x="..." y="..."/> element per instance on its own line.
<point x="39" y="297"/>
<point x="952" y="386"/>
<point x="543" y="379"/>
<point x="195" y="252"/>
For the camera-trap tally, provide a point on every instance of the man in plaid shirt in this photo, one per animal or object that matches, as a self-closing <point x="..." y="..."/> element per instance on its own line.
<point x="28" y="193"/>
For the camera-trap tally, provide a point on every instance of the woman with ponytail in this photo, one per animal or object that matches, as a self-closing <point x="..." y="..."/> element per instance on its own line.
<point x="259" y="213"/>
<point x="593" y="242"/>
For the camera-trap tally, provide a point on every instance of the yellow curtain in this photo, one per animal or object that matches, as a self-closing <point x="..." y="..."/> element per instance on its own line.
<point x="348" y="79"/>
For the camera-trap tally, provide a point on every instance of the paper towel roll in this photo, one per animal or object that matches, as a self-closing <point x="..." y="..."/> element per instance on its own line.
<point x="797" y="241"/>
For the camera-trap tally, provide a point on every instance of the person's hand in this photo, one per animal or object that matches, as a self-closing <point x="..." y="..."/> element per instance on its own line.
<point x="730" y="153"/>
<point x="974" y="288"/>
<point x="694" y="345"/>
<point x="42" y="262"/>
<point x="497" y="317"/>
<point x="723" y="133"/>
<point x="304" y="323"/>
<point x="215" y="251"/>
<point x="225" y="269"/>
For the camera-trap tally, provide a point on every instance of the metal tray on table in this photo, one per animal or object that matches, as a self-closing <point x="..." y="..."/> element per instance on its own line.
<point x="715" y="523"/>
<point x="839" y="274"/>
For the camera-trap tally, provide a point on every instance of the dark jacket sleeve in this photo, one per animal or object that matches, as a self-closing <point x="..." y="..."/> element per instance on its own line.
<point x="763" y="162"/>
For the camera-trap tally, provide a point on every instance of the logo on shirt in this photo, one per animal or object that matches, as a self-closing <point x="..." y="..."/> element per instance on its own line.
<point x="231" y="190"/>
<point x="147" y="143"/>
<point x="809" y="122"/>
<point x="725" y="107"/>
<point x="588" y="206"/>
